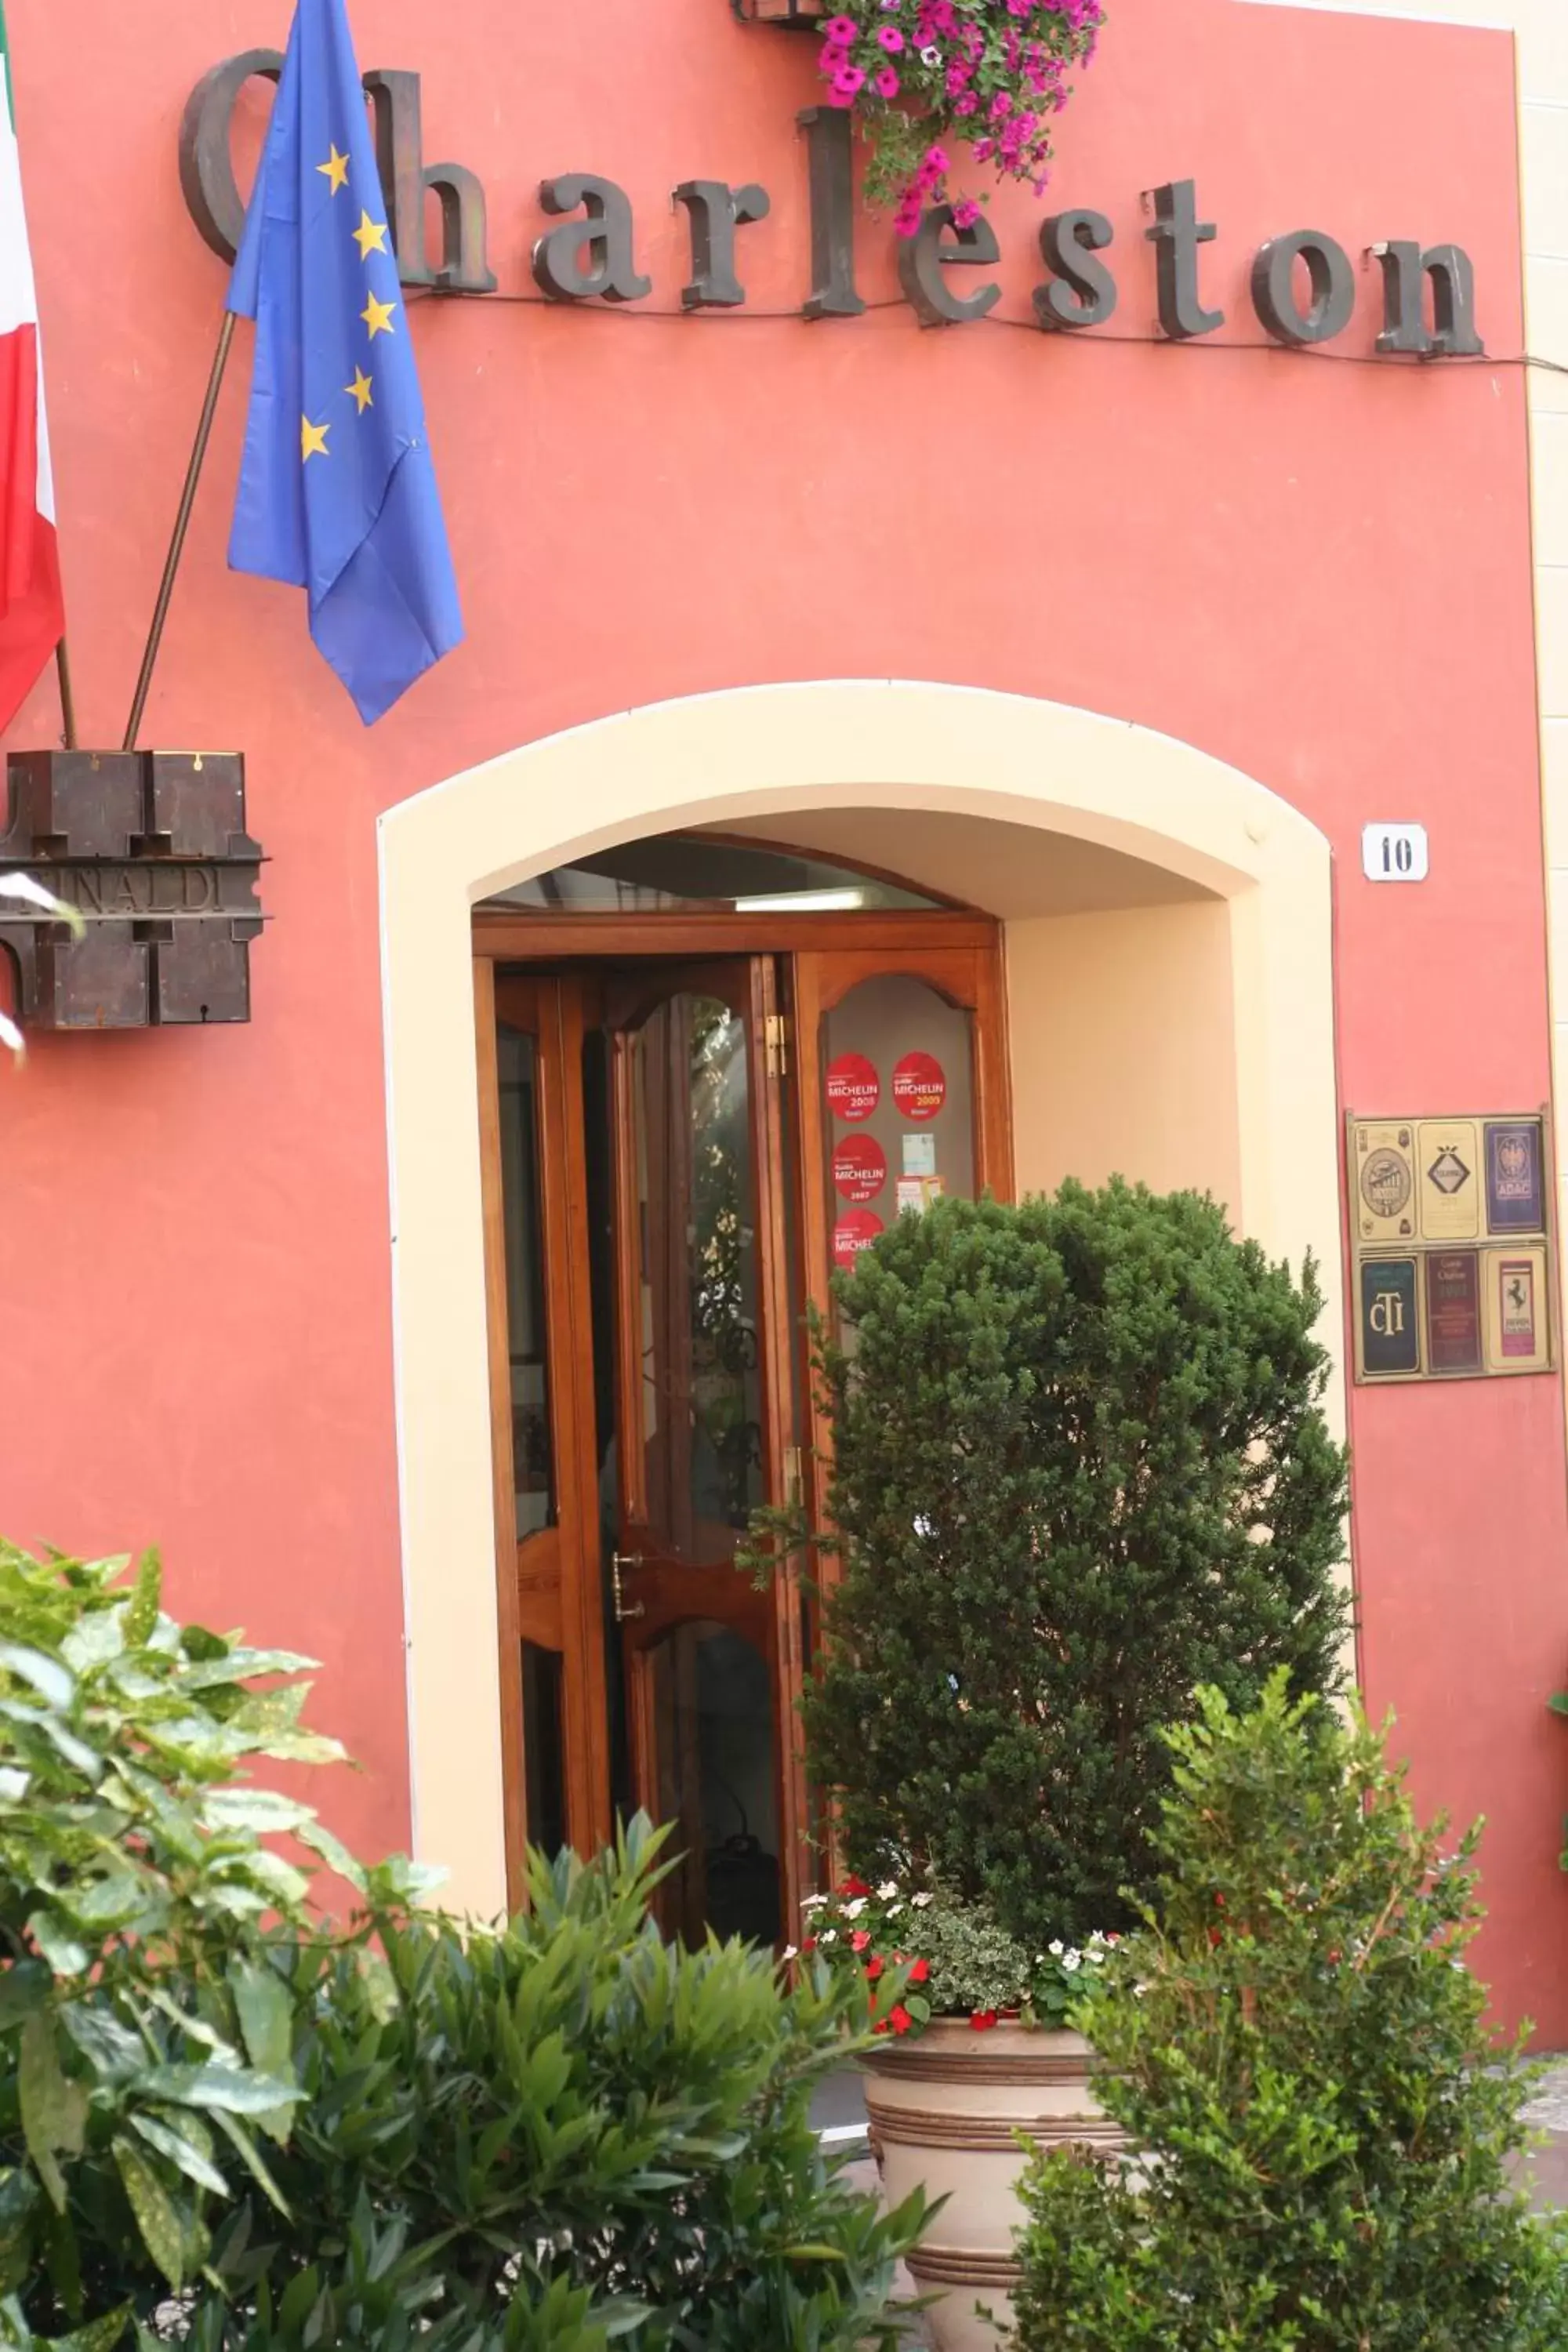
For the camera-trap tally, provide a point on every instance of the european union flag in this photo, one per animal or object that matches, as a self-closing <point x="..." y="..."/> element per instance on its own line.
<point x="337" y="490"/>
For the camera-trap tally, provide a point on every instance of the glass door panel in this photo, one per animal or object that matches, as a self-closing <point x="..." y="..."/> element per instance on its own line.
<point x="898" y="1109"/>
<point x="704" y="1390"/>
<point x="694" y="1236"/>
<point x="532" y="1452"/>
<point x="550" y="1616"/>
<point x="708" y="1698"/>
<point x="900" y="1092"/>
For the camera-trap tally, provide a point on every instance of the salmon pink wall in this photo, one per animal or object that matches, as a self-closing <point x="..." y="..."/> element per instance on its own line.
<point x="1314" y="566"/>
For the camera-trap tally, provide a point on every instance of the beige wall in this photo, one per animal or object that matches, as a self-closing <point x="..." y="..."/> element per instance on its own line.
<point x="774" y="753"/>
<point x="1123" y="1048"/>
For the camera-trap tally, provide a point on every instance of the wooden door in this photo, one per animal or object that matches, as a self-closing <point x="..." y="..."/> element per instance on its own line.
<point x="863" y="1020"/>
<point x="554" y="1723"/>
<point x="704" y="1432"/>
<point x="662" y="1190"/>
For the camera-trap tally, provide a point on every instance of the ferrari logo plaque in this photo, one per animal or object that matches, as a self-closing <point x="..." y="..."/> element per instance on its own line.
<point x="1453" y="1272"/>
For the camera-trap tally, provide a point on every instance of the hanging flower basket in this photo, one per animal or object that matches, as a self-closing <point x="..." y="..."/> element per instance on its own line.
<point x="923" y="76"/>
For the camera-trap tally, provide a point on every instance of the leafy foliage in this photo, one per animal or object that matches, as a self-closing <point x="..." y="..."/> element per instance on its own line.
<point x="138" y="2039"/>
<point x="1079" y="1467"/>
<point x="990" y="73"/>
<point x="221" y="2116"/>
<point x="1299" y="2053"/>
<point x="947" y="1959"/>
<point x="559" y="2132"/>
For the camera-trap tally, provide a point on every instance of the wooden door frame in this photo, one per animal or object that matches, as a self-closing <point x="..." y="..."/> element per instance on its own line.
<point x="526" y="937"/>
<point x="961" y="955"/>
<point x="541" y="1592"/>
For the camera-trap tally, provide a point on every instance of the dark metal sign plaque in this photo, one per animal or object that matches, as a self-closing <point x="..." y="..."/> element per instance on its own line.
<point x="150" y="849"/>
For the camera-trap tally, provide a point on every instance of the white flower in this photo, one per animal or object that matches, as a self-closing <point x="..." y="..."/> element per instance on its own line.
<point x="888" y="1889"/>
<point x="828" y="1935"/>
<point x="1039" y="1959"/>
<point x="1096" y="1960"/>
<point x="853" y="1910"/>
<point x="1072" y="1961"/>
<point x="1096" y="1941"/>
<point x="811" y="1902"/>
<point x="893" y="1907"/>
<point x="930" y="56"/>
<point x="792" y="1951"/>
<point x="919" y="1901"/>
<point x="1057" y="1948"/>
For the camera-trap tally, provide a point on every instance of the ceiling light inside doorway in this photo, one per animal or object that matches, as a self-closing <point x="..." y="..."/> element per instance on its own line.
<point x="804" y="902"/>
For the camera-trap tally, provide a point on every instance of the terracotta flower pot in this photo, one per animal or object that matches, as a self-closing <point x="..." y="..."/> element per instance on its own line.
<point x="943" y="2111"/>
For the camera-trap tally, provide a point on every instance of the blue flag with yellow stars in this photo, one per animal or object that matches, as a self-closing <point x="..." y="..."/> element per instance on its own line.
<point x="337" y="488"/>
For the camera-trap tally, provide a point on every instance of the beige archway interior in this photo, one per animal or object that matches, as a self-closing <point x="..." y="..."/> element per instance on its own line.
<point x="1170" y="1008"/>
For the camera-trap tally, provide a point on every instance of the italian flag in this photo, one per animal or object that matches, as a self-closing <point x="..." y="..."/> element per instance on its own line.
<point x="32" y="614"/>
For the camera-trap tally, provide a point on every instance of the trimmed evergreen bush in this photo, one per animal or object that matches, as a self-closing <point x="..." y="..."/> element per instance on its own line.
<point x="1079" y="1467"/>
<point x="1325" y="2128"/>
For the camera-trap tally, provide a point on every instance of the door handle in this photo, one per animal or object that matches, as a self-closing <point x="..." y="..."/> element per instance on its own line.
<point x="625" y="1608"/>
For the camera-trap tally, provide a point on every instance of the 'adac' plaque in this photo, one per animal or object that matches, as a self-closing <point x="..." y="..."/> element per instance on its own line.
<point x="1453" y="1275"/>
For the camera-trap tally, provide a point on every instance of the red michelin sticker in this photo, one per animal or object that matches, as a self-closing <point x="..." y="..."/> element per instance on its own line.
<point x="856" y="1230"/>
<point x="919" y="1086"/>
<point x="859" y="1167"/>
<point x="853" y="1089"/>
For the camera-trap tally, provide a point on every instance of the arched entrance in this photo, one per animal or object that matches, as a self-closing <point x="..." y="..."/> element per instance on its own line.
<point x="1179" y="1031"/>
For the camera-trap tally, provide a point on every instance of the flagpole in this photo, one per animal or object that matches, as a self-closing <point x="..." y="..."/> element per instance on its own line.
<point x="182" y="524"/>
<point x="68" y="699"/>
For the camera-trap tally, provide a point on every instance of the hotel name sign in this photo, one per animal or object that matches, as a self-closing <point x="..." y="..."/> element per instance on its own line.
<point x="1303" y="282"/>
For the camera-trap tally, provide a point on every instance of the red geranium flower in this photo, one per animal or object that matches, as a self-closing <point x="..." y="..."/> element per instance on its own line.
<point x="874" y="1967"/>
<point x="859" y="1940"/>
<point x="983" y="2020"/>
<point x="854" y="1887"/>
<point x="899" y="2018"/>
<point x="809" y="1945"/>
<point x="920" y="1972"/>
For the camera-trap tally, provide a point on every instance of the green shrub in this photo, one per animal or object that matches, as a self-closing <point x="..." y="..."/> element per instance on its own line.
<point x="567" y="2116"/>
<point x="1299" y="2053"/>
<point x="222" y="2116"/>
<point x="1079" y="1467"/>
<point x="138" y="2050"/>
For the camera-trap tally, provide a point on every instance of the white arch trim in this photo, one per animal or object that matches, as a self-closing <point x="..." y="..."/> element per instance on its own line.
<point x="867" y="743"/>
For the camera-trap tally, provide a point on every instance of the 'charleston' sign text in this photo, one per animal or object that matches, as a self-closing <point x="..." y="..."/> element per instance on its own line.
<point x="1303" y="283"/>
